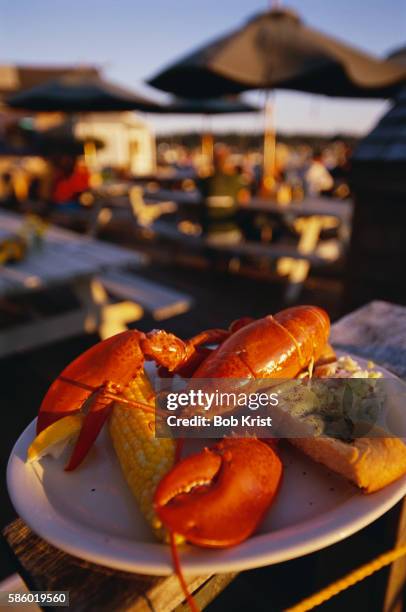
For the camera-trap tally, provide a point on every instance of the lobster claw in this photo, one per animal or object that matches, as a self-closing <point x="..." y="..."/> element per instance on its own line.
<point x="94" y="380"/>
<point x="217" y="498"/>
<point x="117" y="359"/>
<point x="83" y="382"/>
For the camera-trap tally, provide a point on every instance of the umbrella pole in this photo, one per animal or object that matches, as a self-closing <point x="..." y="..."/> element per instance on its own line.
<point x="208" y="146"/>
<point x="268" y="181"/>
<point x="207" y="143"/>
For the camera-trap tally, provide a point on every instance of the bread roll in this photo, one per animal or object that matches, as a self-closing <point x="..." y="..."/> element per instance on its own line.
<point x="371" y="462"/>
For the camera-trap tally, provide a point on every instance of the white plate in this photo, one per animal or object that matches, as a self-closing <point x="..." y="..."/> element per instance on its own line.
<point x="90" y="513"/>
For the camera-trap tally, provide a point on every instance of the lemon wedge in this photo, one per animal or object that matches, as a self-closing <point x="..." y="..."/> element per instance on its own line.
<point x="53" y="439"/>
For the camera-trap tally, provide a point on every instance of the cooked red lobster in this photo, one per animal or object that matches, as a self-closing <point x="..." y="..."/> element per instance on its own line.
<point x="216" y="497"/>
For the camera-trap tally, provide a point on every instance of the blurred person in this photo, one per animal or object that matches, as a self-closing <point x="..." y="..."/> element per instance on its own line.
<point x="71" y="178"/>
<point x="21" y="180"/>
<point x="340" y="171"/>
<point x="294" y="175"/>
<point x="282" y="159"/>
<point x="317" y="178"/>
<point x="257" y="172"/>
<point x="80" y="179"/>
<point x="222" y="192"/>
<point x="61" y="192"/>
<point x="7" y="195"/>
<point x="184" y="159"/>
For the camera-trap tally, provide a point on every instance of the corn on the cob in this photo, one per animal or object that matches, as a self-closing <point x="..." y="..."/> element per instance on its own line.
<point x="144" y="459"/>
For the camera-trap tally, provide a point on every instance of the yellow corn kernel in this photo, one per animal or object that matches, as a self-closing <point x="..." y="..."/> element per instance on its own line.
<point x="144" y="459"/>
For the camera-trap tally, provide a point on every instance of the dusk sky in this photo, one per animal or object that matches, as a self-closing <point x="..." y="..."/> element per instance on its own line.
<point x="132" y="40"/>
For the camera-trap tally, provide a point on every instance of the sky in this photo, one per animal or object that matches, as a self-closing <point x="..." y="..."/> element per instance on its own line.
<point x="132" y="39"/>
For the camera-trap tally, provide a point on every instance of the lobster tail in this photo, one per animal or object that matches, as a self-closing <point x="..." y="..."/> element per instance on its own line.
<point x="308" y="328"/>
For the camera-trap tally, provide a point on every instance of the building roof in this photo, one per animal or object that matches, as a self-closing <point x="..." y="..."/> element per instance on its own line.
<point x="15" y="78"/>
<point x="387" y="141"/>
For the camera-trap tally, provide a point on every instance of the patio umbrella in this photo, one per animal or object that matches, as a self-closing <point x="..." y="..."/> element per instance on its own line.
<point x="398" y="56"/>
<point x="276" y="49"/>
<point x="208" y="107"/>
<point x="78" y="92"/>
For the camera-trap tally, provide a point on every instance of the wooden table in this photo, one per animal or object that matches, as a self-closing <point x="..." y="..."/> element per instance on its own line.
<point x="378" y="332"/>
<point x="363" y="332"/>
<point x="308" y="206"/>
<point x="308" y="218"/>
<point x="167" y="176"/>
<point x="64" y="259"/>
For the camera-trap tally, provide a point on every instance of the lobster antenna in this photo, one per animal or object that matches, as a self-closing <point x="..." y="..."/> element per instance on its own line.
<point x="110" y="395"/>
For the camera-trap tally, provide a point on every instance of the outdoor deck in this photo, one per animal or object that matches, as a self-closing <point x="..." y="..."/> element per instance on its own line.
<point x="28" y="376"/>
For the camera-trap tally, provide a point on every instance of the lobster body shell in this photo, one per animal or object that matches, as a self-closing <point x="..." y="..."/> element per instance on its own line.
<point x="277" y="346"/>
